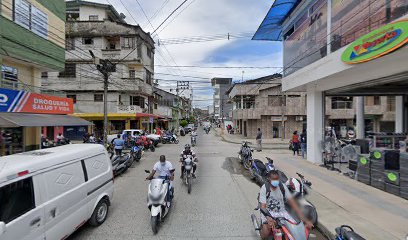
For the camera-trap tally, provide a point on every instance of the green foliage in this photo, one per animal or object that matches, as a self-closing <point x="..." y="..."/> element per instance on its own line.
<point x="191" y="119"/>
<point x="183" y="123"/>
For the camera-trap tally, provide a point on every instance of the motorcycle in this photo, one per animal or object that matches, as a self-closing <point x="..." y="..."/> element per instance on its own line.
<point x="170" y="139"/>
<point x="284" y="228"/>
<point x="245" y="155"/>
<point x="188" y="163"/>
<point x="146" y="143"/>
<point x="259" y="170"/>
<point x="61" y="142"/>
<point x="193" y="140"/>
<point x="299" y="189"/>
<point x="345" y="232"/>
<point x="159" y="199"/>
<point x="120" y="164"/>
<point x="207" y="130"/>
<point x="136" y="153"/>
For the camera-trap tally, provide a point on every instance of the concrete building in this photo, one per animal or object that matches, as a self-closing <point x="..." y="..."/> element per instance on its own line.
<point x="260" y="103"/>
<point x="167" y="105"/>
<point x="222" y="107"/>
<point x="101" y="29"/>
<point x="341" y="49"/>
<point x="32" y="40"/>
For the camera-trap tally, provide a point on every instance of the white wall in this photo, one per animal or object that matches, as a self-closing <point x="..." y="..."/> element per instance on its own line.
<point x="85" y="11"/>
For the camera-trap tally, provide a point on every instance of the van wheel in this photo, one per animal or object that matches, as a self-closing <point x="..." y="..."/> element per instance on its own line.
<point x="100" y="213"/>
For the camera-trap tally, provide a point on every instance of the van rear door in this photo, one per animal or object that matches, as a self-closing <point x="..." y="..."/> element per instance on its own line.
<point x="19" y="211"/>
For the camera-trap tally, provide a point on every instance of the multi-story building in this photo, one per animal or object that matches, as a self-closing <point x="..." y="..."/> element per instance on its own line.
<point x="101" y="29"/>
<point x="260" y="103"/>
<point x="166" y="105"/>
<point x="342" y="49"/>
<point x="32" y="40"/>
<point x="222" y="107"/>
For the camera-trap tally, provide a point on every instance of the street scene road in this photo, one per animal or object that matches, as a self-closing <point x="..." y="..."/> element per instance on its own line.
<point x="219" y="206"/>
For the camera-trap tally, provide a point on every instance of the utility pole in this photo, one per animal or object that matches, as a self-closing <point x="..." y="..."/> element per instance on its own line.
<point x="105" y="67"/>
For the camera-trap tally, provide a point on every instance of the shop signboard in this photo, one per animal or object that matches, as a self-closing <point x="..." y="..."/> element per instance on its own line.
<point x="28" y="102"/>
<point x="377" y="43"/>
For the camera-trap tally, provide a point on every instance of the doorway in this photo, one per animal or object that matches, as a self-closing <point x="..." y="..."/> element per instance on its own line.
<point x="245" y="129"/>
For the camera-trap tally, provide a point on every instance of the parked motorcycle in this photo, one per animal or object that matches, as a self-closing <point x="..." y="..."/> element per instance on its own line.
<point x="146" y="143"/>
<point x="170" y="139"/>
<point x="299" y="189"/>
<point x="120" y="164"/>
<point x="284" y="228"/>
<point x="188" y="163"/>
<point x="245" y="155"/>
<point x="136" y="153"/>
<point x="345" y="232"/>
<point x="61" y="142"/>
<point x="159" y="200"/>
<point x="259" y="170"/>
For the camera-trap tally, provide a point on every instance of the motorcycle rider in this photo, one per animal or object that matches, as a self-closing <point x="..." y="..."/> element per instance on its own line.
<point x="187" y="151"/>
<point x="273" y="199"/>
<point x="164" y="169"/>
<point x="194" y="133"/>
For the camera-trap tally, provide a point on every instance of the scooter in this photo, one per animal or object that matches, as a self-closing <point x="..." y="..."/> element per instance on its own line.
<point x="136" y="153"/>
<point x="120" y="164"/>
<point x="188" y="163"/>
<point x="245" y="155"/>
<point x="259" y="170"/>
<point x="299" y="189"/>
<point x="170" y="139"/>
<point x="345" y="232"/>
<point x="159" y="200"/>
<point x="284" y="228"/>
<point x="193" y="140"/>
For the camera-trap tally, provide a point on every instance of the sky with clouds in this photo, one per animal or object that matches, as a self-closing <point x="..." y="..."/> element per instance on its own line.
<point x="205" y="18"/>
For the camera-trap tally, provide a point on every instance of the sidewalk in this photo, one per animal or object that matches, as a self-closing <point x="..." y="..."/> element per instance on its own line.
<point x="372" y="213"/>
<point x="275" y="143"/>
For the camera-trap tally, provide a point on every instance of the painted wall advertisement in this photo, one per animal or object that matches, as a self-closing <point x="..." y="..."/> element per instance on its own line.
<point x="28" y="102"/>
<point x="377" y="43"/>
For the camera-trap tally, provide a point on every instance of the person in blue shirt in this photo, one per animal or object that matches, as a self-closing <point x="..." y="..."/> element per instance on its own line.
<point x="118" y="144"/>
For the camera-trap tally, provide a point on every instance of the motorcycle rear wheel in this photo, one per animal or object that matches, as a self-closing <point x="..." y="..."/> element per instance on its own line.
<point x="152" y="148"/>
<point x="154" y="221"/>
<point x="176" y="142"/>
<point x="310" y="213"/>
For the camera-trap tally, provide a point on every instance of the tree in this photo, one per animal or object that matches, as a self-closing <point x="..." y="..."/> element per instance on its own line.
<point x="183" y="123"/>
<point x="191" y="119"/>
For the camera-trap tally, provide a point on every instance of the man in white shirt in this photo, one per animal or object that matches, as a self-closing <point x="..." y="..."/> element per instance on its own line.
<point x="165" y="170"/>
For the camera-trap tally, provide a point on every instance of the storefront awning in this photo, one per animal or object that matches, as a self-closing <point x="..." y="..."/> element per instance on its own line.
<point x="39" y="120"/>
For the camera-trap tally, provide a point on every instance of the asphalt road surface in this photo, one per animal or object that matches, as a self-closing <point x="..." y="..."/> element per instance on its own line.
<point x="219" y="206"/>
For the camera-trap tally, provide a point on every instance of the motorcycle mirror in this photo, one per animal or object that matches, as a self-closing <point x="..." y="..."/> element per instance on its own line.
<point x="147" y="171"/>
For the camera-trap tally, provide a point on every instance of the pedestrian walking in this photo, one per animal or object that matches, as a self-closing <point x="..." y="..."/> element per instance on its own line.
<point x="303" y="141"/>
<point x="259" y="140"/>
<point x="295" y="143"/>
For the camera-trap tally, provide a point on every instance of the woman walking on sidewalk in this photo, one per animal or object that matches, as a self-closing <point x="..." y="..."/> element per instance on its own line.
<point x="259" y="140"/>
<point x="295" y="143"/>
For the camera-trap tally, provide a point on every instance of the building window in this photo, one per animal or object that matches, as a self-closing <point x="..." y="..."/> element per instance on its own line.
<point x="391" y="103"/>
<point x="149" y="53"/>
<point x="87" y="41"/>
<point x="31" y="18"/>
<point x="155" y="105"/>
<point x="377" y="100"/>
<point x="132" y="74"/>
<point x="137" y="101"/>
<point x="98" y="97"/>
<point x="128" y="43"/>
<point x="148" y="77"/>
<point x="44" y="74"/>
<point x="342" y="103"/>
<point x="9" y="73"/>
<point x="16" y="199"/>
<point x="73" y="97"/>
<point x="93" y="17"/>
<point x="70" y="44"/>
<point x="70" y="71"/>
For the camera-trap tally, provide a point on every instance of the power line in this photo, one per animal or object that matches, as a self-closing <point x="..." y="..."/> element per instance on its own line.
<point x="169" y="16"/>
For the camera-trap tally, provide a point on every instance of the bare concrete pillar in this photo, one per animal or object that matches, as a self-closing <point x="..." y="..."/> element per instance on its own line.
<point x="315" y="115"/>
<point x="360" y="131"/>
<point x="399" y="114"/>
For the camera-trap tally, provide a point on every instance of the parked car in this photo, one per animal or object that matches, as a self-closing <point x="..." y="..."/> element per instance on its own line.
<point x="50" y="193"/>
<point x="130" y="132"/>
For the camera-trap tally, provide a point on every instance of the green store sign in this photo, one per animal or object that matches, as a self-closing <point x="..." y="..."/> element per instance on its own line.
<point x="377" y="43"/>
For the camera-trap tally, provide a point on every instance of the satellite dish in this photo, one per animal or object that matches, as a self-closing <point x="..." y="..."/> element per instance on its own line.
<point x="123" y="16"/>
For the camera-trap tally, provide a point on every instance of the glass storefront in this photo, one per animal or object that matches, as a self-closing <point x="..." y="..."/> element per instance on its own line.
<point x="306" y="38"/>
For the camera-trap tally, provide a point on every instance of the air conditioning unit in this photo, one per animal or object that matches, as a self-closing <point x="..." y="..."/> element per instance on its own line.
<point x="299" y="118"/>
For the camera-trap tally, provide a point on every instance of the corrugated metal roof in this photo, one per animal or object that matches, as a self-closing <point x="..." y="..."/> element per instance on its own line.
<point x="271" y="27"/>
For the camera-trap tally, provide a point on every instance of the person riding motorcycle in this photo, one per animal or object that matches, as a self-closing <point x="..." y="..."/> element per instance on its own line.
<point x="194" y="133"/>
<point x="165" y="170"/>
<point x="187" y="151"/>
<point x="272" y="197"/>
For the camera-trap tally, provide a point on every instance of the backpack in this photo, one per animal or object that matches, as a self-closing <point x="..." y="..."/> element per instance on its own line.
<point x="268" y="186"/>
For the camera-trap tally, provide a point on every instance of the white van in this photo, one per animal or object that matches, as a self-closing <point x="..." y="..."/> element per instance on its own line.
<point x="50" y="193"/>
